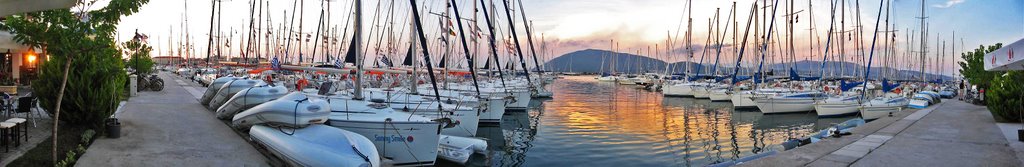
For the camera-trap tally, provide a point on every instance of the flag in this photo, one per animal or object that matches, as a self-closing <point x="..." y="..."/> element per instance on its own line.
<point x="386" y="61"/>
<point x="275" y="64"/>
<point x="451" y="28"/>
<point x="337" y="63"/>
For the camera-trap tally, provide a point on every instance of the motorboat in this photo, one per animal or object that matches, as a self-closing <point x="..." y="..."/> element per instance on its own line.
<point x="248" y="98"/>
<point x="317" y="145"/>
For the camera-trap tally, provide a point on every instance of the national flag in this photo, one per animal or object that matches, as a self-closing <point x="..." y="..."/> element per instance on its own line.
<point x="275" y="64"/>
<point x="337" y="63"/>
<point x="386" y="61"/>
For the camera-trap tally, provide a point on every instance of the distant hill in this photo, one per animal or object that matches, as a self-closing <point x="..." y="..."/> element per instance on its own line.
<point x="597" y="61"/>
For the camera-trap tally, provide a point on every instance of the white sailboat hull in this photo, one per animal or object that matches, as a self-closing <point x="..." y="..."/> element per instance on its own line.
<point x="836" y="108"/>
<point x="720" y="95"/>
<point x="495" y="109"/>
<point x="743" y="100"/>
<point x="406" y="143"/>
<point x="784" y="105"/>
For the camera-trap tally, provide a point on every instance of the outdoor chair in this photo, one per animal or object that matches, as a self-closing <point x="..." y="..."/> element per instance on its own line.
<point x="5" y="134"/>
<point x="20" y="129"/>
<point x="27" y="105"/>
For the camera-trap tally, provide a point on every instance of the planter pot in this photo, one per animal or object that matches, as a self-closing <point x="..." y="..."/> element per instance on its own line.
<point x="1020" y="134"/>
<point x="9" y="89"/>
<point x="113" y="128"/>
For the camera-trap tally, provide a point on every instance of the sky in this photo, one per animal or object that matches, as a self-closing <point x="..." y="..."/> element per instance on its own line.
<point x="571" y="25"/>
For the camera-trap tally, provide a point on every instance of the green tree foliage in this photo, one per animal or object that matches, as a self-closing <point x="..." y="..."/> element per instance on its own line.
<point x="85" y="36"/>
<point x="138" y="56"/>
<point x="973" y="66"/>
<point x="1004" y="97"/>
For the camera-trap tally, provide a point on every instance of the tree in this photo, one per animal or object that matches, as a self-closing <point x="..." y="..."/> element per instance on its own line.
<point x="1004" y="99"/>
<point x="138" y="54"/>
<point x="83" y="39"/>
<point x="973" y="66"/>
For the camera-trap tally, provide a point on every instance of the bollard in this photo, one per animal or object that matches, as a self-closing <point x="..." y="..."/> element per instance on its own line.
<point x="133" y="85"/>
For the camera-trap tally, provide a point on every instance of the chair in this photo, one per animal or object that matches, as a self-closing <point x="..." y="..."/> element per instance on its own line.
<point x="26" y="105"/>
<point x="5" y="132"/>
<point x="20" y="129"/>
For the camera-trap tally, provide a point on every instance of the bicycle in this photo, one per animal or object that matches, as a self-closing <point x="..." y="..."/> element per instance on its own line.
<point x="152" y="82"/>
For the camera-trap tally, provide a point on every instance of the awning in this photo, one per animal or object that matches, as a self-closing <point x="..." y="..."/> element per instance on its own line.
<point x="1007" y="58"/>
<point x="12" y="7"/>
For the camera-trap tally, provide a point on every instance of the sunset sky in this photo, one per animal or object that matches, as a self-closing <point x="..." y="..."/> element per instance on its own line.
<point x="570" y="25"/>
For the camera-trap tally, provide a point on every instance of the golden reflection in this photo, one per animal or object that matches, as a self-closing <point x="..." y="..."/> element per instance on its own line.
<point x="691" y="129"/>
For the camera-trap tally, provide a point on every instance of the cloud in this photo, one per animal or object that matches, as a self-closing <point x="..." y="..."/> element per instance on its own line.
<point x="949" y="3"/>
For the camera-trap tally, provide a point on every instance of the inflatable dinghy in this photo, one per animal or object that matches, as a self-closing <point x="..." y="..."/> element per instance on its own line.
<point x="317" y="145"/>
<point x="229" y="89"/>
<point x="213" y="88"/>
<point x="292" y="110"/>
<point x="248" y="98"/>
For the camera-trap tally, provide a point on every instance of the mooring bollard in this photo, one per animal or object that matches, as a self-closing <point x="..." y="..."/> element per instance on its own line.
<point x="133" y="86"/>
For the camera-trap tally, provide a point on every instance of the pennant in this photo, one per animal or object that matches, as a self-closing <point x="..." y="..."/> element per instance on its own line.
<point x="408" y="57"/>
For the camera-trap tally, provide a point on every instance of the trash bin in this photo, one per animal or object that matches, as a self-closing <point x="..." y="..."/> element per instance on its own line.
<point x="113" y="128"/>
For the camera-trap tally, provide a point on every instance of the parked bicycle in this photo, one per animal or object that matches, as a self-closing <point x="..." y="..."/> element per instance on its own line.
<point x="151" y="82"/>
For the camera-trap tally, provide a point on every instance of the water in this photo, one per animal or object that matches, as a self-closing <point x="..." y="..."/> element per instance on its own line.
<point x="591" y="123"/>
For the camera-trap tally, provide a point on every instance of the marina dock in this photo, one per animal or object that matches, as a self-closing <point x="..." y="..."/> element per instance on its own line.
<point x="952" y="133"/>
<point x="171" y="128"/>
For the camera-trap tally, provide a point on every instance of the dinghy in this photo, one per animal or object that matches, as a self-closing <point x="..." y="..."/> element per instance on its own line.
<point x="229" y="89"/>
<point x="458" y="149"/>
<point x="214" y="87"/>
<point x="249" y="97"/>
<point x="292" y="110"/>
<point x="317" y="145"/>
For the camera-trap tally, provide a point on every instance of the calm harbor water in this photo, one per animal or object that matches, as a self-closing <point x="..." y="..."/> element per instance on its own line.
<point x="591" y="123"/>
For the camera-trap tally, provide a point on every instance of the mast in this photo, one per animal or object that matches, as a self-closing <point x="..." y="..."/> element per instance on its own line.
<point x="491" y="41"/>
<point x="515" y="38"/>
<point x="358" y="34"/>
<point x="867" y="71"/>
<point x="689" y="37"/>
<point x="739" y="55"/>
<point x="465" y="47"/>
<point x="414" y="79"/>
<point x="529" y="40"/>
<point x="828" y="41"/>
<point x="923" y="38"/>
<point x="426" y="53"/>
<point x="209" y="43"/>
<point x="764" y="47"/>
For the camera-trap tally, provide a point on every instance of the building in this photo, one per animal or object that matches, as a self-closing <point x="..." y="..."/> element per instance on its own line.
<point x="18" y="63"/>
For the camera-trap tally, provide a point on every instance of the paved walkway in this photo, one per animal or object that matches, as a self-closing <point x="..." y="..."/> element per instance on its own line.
<point x="171" y="128"/>
<point x="952" y="133"/>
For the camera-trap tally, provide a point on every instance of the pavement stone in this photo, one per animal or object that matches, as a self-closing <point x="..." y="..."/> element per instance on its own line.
<point x="171" y="128"/>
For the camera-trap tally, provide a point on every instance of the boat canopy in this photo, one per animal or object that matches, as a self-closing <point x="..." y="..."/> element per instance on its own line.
<point x="846" y="86"/>
<point x="886" y="86"/>
<point x="796" y="77"/>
